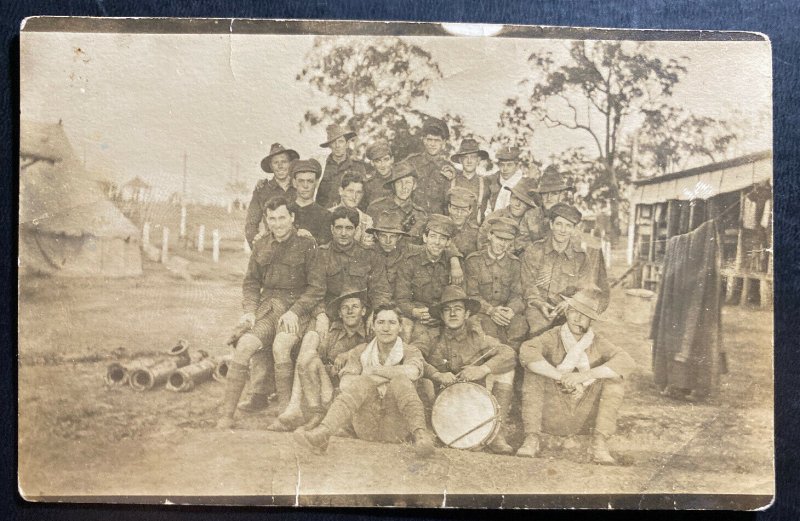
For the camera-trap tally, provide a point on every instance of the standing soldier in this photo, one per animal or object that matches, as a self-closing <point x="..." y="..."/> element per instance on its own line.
<point x="277" y="299"/>
<point x="435" y="171"/>
<point x="552" y="188"/>
<point x="460" y="206"/>
<point x="388" y="231"/>
<point x="558" y="265"/>
<point x="470" y="155"/>
<point x="380" y="155"/>
<point x="337" y="163"/>
<point x="460" y="351"/>
<point x="351" y="193"/>
<point x="309" y="215"/>
<point x="493" y="279"/>
<point x="521" y="208"/>
<point x="502" y="181"/>
<point x="402" y="183"/>
<point x="278" y="164"/>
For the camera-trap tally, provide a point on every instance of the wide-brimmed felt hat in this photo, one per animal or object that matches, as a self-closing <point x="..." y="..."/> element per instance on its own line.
<point x="552" y="181"/>
<point x="508" y="154"/>
<point x="389" y="222"/>
<point x="525" y="189"/>
<point x="399" y="171"/>
<point x="454" y="294"/>
<point x="332" y="308"/>
<point x="469" y="146"/>
<point x="440" y="224"/>
<point x="586" y="302"/>
<point x="335" y="132"/>
<point x="274" y="150"/>
<point x="306" y="165"/>
<point x="567" y="211"/>
<point x="503" y="227"/>
<point x="378" y="150"/>
<point x="459" y="196"/>
<point x="437" y="127"/>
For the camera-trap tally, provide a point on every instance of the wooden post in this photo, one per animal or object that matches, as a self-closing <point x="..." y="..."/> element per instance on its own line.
<point x="247" y="249"/>
<point x="215" y="241"/>
<point x="164" y="245"/>
<point x="201" y="238"/>
<point x="183" y="221"/>
<point x="146" y="234"/>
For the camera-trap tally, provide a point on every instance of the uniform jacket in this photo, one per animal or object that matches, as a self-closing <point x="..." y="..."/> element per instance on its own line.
<point x="420" y="281"/>
<point x="340" y="341"/>
<point x="412" y="361"/>
<point x="532" y="227"/>
<point x="265" y="190"/>
<point x="479" y="186"/>
<point x="328" y="189"/>
<point x="451" y="351"/>
<point x="465" y="240"/>
<point x="432" y="186"/>
<point x="494" y="282"/>
<point x="413" y="216"/>
<point x="548" y="346"/>
<point x="374" y="189"/>
<point x="315" y="219"/>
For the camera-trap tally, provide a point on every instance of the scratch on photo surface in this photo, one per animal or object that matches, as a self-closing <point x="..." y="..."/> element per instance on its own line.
<point x="297" y="483"/>
<point x="230" y="48"/>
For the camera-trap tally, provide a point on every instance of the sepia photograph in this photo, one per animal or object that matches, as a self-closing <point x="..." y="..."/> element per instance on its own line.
<point x="329" y="263"/>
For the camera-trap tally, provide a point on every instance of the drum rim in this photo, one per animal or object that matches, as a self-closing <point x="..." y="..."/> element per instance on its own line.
<point x="496" y="418"/>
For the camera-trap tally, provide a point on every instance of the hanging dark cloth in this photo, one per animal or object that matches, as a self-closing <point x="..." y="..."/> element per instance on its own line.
<point x="686" y="329"/>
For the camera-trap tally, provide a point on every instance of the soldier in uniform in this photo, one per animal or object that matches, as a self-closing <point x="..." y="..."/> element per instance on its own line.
<point x="337" y="163"/>
<point x="424" y="273"/>
<point x="387" y="231"/>
<point x="523" y="209"/>
<point x="460" y="351"/>
<point x="435" y="171"/>
<point x="277" y="301"/>
<point x="309" y="215"/>
<point x="402" y="183"/>
<point x="552" y="188"/>
<point x="380" y="156"/>
<point x="501" y="182"/>
<point x="460" y="208"/>
<point x="558" y="265"/>
<point x="493" y="279"/>
<point x="469" y="155"/>
<point x="351" y="193"/>
<point x="321" y="358"/>
<point x="277" y="163"/>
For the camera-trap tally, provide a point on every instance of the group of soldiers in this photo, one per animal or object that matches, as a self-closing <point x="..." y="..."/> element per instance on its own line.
<point x="372" y="286"/>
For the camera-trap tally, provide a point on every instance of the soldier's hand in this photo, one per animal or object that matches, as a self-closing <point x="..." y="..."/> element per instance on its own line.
<point x="289" y="323"/>
<point x="456" y="274"/>
<point x="448" y="171"/>
<point x="547" y="310"/>
<point x="560" y="309"/>
<point x="322" y="326"/>
<point x="472" y="373"/>
<point x="421" y="313"/>
<point x="248" y="319"/>
<point x="444" y="378"/>
<point x="339" y="362"/>
<point x="572" y="380"/>
<point x="499" y="318"/>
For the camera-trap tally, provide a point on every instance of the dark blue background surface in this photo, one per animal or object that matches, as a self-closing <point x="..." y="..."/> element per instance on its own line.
<point x="778" y="19"/>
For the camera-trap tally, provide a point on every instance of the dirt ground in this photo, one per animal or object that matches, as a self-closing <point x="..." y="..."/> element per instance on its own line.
<point x="79" y="438"/>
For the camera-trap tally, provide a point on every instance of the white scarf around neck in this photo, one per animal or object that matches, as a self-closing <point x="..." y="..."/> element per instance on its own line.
<point x="504" y="196"/>
<point x="371" y="356"/>
<point x="576" y="352"/>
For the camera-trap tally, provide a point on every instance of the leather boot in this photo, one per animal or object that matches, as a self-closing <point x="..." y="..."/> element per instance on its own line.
<point x="255" y="403"/>
<point x="423" y="443"/>
<point x="600" y="453"/>
<point x="234" y="384"/>
<point x="317" y="414"/>
<point x="315" y="440"/>
<point x="503" y="393"/>
<point x="284" y="375"/>
<point x="530" y="447"/>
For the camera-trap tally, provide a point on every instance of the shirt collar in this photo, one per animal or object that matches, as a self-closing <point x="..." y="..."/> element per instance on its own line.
<point x="491" y="258"/>
<point x="335" y="246"/>
<point x="458" y="334"/>
<point x="569" y="252"/>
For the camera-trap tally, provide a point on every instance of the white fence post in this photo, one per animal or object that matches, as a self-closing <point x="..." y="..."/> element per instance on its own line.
<point x="215" y="251"/>
<point x="164" y="244"/>
<point x="247" y="249"/>
<point x="183" y="222"/>
<point x="201" y="238"/>
<point x="146" y="234"/>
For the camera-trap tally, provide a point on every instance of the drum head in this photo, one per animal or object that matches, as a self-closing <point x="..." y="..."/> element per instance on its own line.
<point x="460" y="408"/>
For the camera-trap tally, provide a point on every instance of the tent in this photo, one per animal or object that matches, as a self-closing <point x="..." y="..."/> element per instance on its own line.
<point x="67" y="225"/>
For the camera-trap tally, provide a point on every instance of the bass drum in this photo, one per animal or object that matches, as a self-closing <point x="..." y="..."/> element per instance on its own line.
<point x="465" y="415"/>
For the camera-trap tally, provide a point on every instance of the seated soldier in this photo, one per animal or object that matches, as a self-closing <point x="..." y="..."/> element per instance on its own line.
<point x="573" y="382"/>
<point x="460" y="206"/>
<point x="558" y="264"/>
<point x="321" y="359"/>
<point x="377" y="395"/>
<point x="460" y="351"/>
<point x="493" y="279"/>
<point x="277" y="301"/>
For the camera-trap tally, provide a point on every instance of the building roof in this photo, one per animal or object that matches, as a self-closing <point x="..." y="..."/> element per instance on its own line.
<point x="705" y="181"/>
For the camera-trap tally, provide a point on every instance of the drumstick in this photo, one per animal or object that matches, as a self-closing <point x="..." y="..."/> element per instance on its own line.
<point x="472" y="430"/>
<point x="484" y="355"/>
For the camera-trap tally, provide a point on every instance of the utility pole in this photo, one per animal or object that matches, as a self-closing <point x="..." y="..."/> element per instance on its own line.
<point x="183" y="194"/>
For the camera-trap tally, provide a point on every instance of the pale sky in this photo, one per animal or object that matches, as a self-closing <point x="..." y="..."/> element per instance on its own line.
<point x="133" y="103"/>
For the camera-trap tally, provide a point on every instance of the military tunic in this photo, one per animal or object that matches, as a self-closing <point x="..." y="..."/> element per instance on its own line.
<point x="374" y="189"/>
<point x="339" y="341"/>
<point x="420" y="281"/>
<point x="431" y="191"/>
<point x="257" y="210"/>
<point x="316" y="220"/>
<point x="392" y="261"/>
<point x="329" y="184"/>
<point x="465" y="240"/>
<point x="277" y="280"/>
<point x="532" y="227"/>
<point x="479" y="187"/>
<point x="413" y="216"/>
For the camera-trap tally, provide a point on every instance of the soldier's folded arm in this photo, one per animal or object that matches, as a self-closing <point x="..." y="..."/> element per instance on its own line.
<point x="615" y="359"/>
<point x="378" y="282"/>
<point x="251" y="285"/>
<point x="531" y="357"/>
<point x="503" y="360"/>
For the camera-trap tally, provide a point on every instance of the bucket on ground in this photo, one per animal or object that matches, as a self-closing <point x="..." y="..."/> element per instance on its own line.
<point x="639" y="306"/>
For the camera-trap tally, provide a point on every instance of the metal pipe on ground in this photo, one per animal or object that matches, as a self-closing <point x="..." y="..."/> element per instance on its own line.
<point x="221" y="371"/>
<point x="185" y="378"/>
<point x="147" y="377"/>
<point x="118" y="374"/>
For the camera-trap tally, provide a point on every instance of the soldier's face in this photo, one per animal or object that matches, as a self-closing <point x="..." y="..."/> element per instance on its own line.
<point x="433" y="144"/>
<point x="386" y="325"/>
<point x="435" y="242"/>
<point x="403" y="188"/>
<point x="517" y="207"/>
<point x="352" y="311"/>
<point x="470" y="162"/>
<point x="454" y="314"/>
<point x="280" y="221"/>
<point x="388" y="241"/>
<point x="562" y="229"/>
<point x="343" y="232"/>
<point x="280" y="166"/>
<point x="459" y="214"/>
<point x="551" y="198"/>
<point x="499" y="245"/>
<point x="577" y="322"/>
<point x="351" y="194"/>
<point x="339" y="147"/>
<point x="383" y="165"/>
<point x="507" y="168"/>
<point x="305" y="183"/>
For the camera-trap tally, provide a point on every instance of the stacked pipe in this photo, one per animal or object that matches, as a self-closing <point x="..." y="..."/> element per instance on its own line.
<point x="145" y="378"/>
